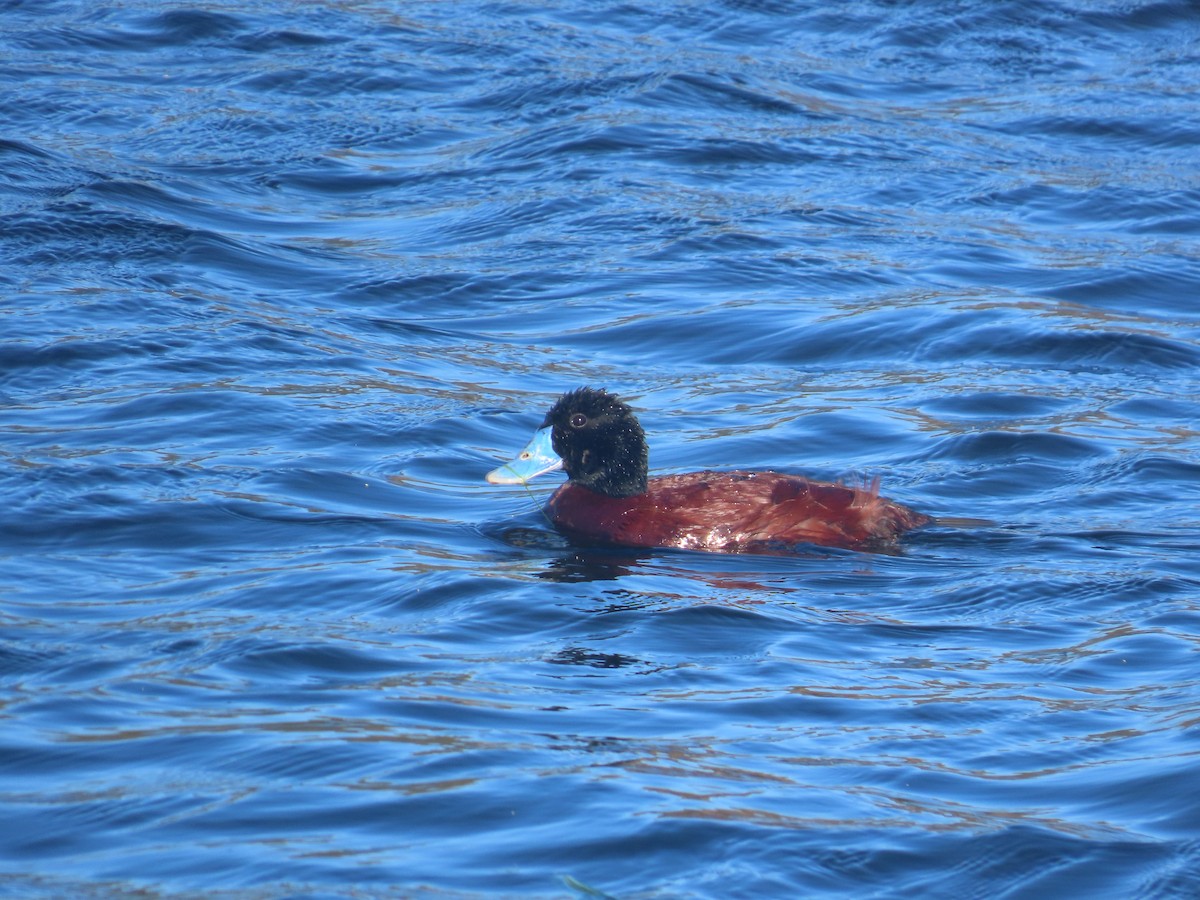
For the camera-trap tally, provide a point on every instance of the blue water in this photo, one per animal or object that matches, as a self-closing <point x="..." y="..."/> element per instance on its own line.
<point x="280" y="282"/>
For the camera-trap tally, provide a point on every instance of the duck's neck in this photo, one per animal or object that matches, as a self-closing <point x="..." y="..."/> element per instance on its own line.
<point x="617" y="469"/>
<point x="617" y="479"/>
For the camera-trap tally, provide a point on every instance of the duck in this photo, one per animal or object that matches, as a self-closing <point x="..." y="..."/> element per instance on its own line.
<point x="610" y="499"/>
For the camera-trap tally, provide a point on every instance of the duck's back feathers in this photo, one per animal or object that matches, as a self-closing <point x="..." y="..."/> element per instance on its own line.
<point x="733" y="512"/>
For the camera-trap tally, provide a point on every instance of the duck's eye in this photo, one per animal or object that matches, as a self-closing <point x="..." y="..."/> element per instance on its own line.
<point x="578" y="420"/>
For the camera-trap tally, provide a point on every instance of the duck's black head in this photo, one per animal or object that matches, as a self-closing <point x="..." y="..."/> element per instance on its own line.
<point x="593" y="437"/>
<point x="601" y="442"/>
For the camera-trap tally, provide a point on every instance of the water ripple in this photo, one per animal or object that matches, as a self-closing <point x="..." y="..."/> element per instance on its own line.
<point x="281" y="284"/>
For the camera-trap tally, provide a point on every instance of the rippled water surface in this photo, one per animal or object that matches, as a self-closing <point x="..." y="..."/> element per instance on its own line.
<point x="282" y="281"/>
